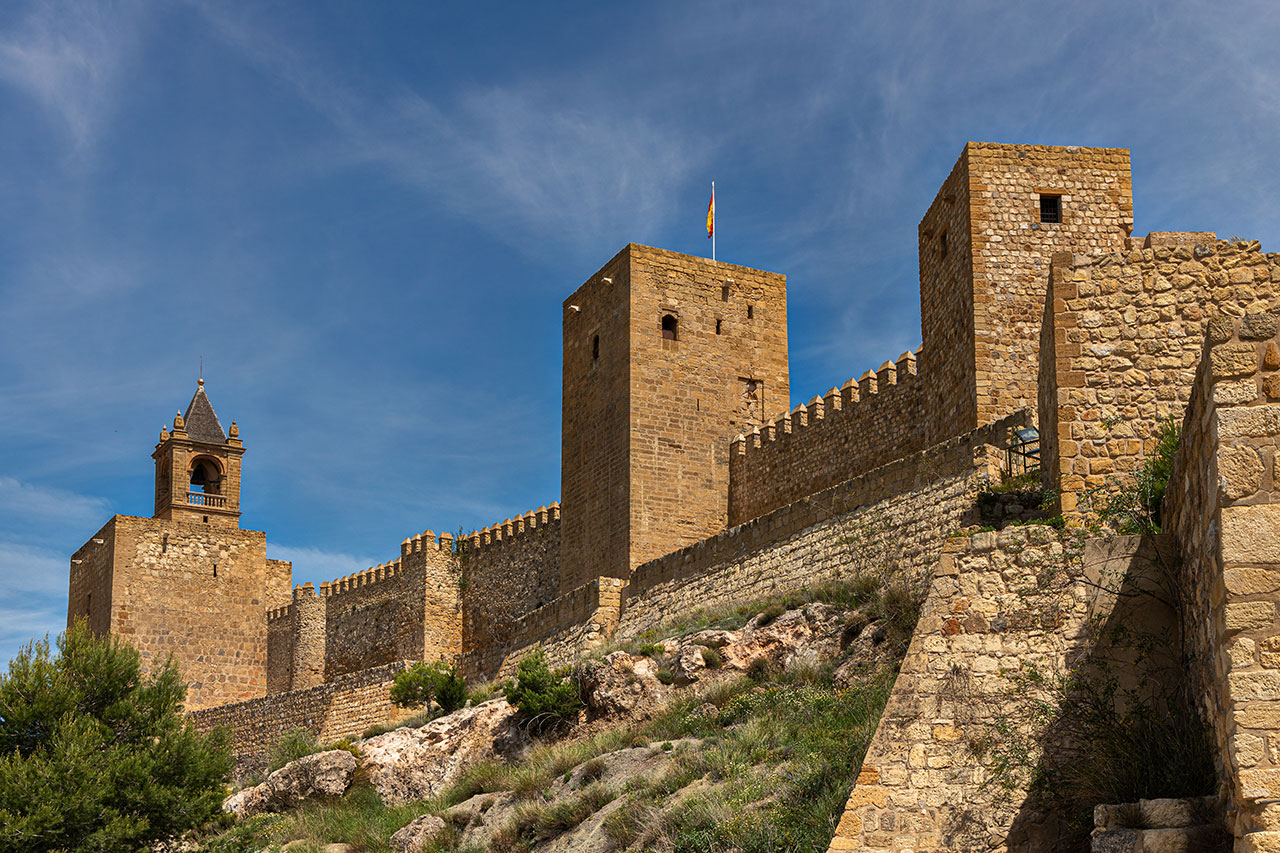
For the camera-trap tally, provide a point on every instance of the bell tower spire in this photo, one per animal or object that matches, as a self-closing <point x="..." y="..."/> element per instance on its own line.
<point x="198" y="467"/>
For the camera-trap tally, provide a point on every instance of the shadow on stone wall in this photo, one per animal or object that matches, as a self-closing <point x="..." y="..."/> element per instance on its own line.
<point x="1120" y="724"/>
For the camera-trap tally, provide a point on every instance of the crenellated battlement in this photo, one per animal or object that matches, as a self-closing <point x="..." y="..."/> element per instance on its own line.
<point x="372" y="576"/>
<point x="867" y="422"/>
<point x="533" y="521"/>
<point x="837" y="402"/>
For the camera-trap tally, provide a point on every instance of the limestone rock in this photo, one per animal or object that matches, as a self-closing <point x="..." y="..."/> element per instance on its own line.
<point x="324" y="774"/>
<point x="415" y="835"/>
<point x="418" y="763"/>
<point x="621" y="684"/>
<point x="689" y="662"/>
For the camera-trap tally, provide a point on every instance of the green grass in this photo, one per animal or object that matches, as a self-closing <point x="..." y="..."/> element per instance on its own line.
<point x="848" y="593"/>
<point x="770" y="771"/>
<point x="776" y="779"/>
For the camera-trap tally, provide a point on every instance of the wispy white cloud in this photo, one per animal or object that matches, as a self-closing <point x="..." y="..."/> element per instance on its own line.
<point x="530" y="162"/>
<point x="23" y="504"/>
<point x="27" y="569"/>
<point x="69" y="57"/>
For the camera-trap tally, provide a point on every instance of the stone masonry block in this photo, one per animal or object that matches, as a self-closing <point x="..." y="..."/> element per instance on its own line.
<point x="1251" y="581"/>
<point x="1261" y="784"/>
<point x="1234" y="392"/>
<point x="1255" y="686"/>
<point x="1240" y="470"/>
<point x="1233" y="360"/>
<point x="1260" y="842"/>
<point x="1253" y="422"/>
<point x="1251" y="534"/>
<point x="1258" y="327"/>
<point x="1250" y="615"/>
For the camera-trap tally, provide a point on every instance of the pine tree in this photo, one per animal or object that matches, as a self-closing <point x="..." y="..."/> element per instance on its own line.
<point x="95" y="757"/>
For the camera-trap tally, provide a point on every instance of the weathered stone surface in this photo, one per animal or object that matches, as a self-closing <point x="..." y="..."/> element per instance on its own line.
<point x="324" y="774"/>
<point x="1251" y="534"/>
<point x="417" y="763"/>
<point x="415" y="835"/>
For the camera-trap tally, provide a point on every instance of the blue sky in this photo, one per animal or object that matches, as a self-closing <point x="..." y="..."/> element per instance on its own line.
<point x="365" y="216"/>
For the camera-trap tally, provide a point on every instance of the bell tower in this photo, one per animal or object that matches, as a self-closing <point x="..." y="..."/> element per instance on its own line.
<point x="198" y="467"/>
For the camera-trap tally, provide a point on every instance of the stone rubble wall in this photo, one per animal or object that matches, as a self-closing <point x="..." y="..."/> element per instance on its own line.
<point x="864" y="424"/>
<point x="508" y="569"/>
<point x="344" y="707"/>
<point x="1126" y="332"/>
<point x="999" y="604"/>
<point x="895" y="517"/>
<point x="1223" y="507"/>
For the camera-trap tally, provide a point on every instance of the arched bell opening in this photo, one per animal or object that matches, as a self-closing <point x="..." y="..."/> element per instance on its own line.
<point x="206" y="476"/>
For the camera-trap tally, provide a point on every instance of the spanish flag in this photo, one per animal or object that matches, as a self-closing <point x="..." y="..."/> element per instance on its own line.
<point x="711" y="213"/>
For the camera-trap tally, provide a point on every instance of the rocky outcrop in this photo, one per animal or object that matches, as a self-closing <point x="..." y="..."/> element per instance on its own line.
<point x="418" y="763"/>
<point x="325" y="774"/>
<point x="417" y="834"/>
<point x="626" y="684"/>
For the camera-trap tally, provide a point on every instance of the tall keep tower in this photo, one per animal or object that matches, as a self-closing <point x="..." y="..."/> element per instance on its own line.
<point x="187" y="582"/>
<point x="985" y="247"/>
<point x="198" y="467"/>
<point x="666" y="357"/>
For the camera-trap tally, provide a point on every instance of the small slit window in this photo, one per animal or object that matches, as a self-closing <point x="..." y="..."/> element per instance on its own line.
<point x="670" y="328"/>
<point x="1050" y="208"/>
<point x="942" y="244"/>
<point x="724" y="293"/>
<point x="751" y="312"/>
<point x="595" y="347"/>
<point x="718" y="324"/>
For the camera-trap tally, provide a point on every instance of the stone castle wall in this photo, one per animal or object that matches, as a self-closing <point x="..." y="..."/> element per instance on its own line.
<point x="166" y="587"/>
<point x="513" y="568"/>
<point x="1001" y="604"/>
<point x="1223" y="507"/>
<point x="1126" y="330"/>
<point x="984" y="261"/>
<point x="946" y="308"/>
<point x="647" y="419"/>
<point x="845" y="433"/>
<point x="894" y="518"/>
<point x="89" y="593"/>
<point x="344" y="707"/>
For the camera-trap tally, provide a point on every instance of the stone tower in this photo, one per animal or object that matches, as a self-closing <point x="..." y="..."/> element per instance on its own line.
<point x="187" y="582"/>
<point x="985" y="247"/>
<point x="666" y="357"/>
<point x="198" y="467"/>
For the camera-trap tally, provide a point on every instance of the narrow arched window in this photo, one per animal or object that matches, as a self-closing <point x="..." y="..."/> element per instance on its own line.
<point x="595" y="347"/>
<point x="670" y="328"/>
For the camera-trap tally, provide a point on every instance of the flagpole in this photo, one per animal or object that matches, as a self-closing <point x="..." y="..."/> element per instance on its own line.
<point x="713" y="222"/>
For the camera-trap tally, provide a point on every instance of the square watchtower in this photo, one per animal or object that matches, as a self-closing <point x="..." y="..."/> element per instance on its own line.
<point x="985" y="248"/>
<point x="666" y="358"/>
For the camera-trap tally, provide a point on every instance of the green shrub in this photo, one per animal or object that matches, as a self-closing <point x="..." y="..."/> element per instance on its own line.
<point x="421" y="683"/>
<point x="93" y="756"/>
<point x="759" y="669"/>
<point x="545" y="699"/>
<point x="711" y="657"/>
<point x="652" y="650"/>
<point x="770" y="613"/>
<point x="1134" y="504"/>
<point x="666" y="676"/>
<point x="294" y="744"/>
